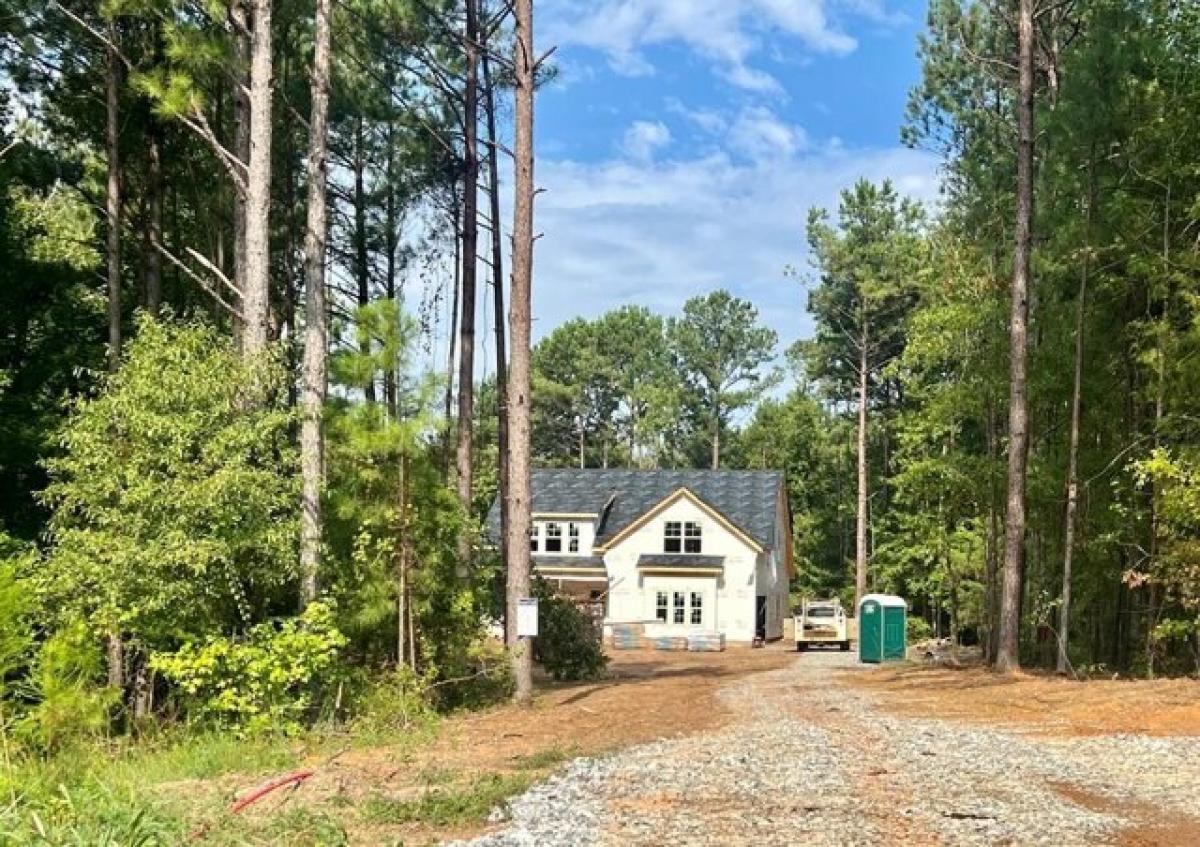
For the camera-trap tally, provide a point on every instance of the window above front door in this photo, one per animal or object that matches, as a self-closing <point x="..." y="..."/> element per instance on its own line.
<point x="682" y="537"/>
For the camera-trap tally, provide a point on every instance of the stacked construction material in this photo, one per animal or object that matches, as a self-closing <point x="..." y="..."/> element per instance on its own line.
<point x="626" y="636"/>
<point x="669" y="642"/>
<point x="706" y="642"/>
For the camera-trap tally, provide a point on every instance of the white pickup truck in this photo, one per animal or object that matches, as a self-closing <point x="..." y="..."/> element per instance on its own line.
<point x="822" y="622"/>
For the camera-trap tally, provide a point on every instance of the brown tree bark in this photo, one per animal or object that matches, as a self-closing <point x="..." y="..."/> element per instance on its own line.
<point x="497" y="289"/>
<point x="362" y="268"/>
<point x="239" y="14"/>
<point x="1008" y="653"/>
<point x="256" y="292"/>
<point x="112" y="210"/>
<point x="316" y="314"/>
<point x="860" y="526"/>
<point x="470" y="262"/>
<point x="520" y="319"/>
<point x="112" y="193"/>
<point x="1063" y="661"/>
<point x="715" y="459"/>
<point x="152" y="264"/>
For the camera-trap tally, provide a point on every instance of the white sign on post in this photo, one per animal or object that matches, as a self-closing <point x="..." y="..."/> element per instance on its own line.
<point x="527" y="617"/>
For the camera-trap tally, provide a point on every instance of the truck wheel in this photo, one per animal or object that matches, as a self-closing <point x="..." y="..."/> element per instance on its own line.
<point x="801" y="647"/>
<point x="845" y="645"/>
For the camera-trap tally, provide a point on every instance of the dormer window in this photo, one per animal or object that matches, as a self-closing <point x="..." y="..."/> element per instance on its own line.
<point x="572" y="538"/>
<point x="534" y="533"/>
<point x="681" y="537"/>
<point x="553" y="537"/>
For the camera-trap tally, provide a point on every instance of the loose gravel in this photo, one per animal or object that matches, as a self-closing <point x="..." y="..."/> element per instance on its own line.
<point x="811" y="761"/>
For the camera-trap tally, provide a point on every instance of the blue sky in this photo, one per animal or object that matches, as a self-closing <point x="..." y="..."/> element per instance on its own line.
<point x="683" y="142"/>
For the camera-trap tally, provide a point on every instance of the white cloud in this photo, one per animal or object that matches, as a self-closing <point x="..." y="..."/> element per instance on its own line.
<point x="709" y="120"/>
<point x="643" y="138"/>
<point x="760" y="135"/>
<point x="728" y="32"/>
<point x="656" y="233"/>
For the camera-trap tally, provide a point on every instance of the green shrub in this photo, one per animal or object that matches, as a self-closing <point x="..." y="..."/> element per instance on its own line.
<point x="918" y="629"/>
<point x="71" y="704"/>
<point x="567" y="644"/>
<point x="269" y="680"/>
<point x="392" y="703"/>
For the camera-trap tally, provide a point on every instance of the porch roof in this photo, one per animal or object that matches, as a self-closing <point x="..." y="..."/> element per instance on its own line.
<point x="680" y="561"/>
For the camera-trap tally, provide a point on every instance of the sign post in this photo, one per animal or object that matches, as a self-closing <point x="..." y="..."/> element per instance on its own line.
<point x="527" y="617"/>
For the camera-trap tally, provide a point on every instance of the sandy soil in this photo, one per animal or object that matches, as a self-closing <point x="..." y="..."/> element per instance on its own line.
<point x="1039" y="703"/>
<point x="650" y="696"/>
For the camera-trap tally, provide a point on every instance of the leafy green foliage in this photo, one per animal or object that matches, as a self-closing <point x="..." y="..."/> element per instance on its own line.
<point x="567" y="644"/>
<point x="720" y="349"/>
<point x="71" y="702"/>
<point x="175" y="496"/>
<point x="268" y="681"/>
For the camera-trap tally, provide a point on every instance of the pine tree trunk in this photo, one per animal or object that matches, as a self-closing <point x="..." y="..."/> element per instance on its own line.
<point x="1063" y="662"/>
<point x="470" y="263"/>
<point x="112" y="193"/>
<point x="316" y="314"/>
<point x="1008" y="655"/>
<point x="239" y="13"/>
<point x="256" y="294"/>
<point x="519" y="493"/>
<point x="391" y="240"/>
<point x="362" y="268"/>
<point x="715" y="459"/>
<point x="403" y="612"/>
<point x="152" y="265"/>
<point x="860" y="526"/>
<point x="498" y="291"/>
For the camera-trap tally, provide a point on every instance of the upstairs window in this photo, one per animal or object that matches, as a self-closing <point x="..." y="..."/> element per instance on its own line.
<point x="533" y="538"/>
<point x="553" y="537"/>
<point x="572" y="538"/>
<point x="673" y="537"/>
<point x="682" y="537"/>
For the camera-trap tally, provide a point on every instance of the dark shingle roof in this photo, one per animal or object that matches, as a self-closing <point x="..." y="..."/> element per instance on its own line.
<point x="568" y="561"/>
<point x="748" y="499"/>
<point x="679" y="560"/>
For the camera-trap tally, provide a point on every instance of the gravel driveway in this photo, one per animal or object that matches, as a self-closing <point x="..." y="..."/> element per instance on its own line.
<point x="811" y="761"/>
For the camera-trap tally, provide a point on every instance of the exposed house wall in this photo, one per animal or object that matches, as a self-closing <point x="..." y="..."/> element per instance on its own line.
<point x="587" y="534"/>
<point x="632" y="596"/>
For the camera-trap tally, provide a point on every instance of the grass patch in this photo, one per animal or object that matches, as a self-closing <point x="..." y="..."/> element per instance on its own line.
<point x="448" y="806"/>
<point x="547" y="758"/>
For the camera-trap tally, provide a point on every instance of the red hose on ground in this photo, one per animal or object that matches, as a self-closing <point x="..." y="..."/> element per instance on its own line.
<point x="262" y="791"/>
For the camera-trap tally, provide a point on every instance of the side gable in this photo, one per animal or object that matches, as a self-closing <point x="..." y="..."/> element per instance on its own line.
<point x="664" y="504"/>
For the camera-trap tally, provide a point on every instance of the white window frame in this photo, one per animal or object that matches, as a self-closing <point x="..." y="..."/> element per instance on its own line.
<point x="673" y="536"/>
<point x="535" y="536"/>
<point x="693" y="537"/>
<point x="553" y="532"/>
<point x="679" y="606"/>
<point x="572" y="537"/>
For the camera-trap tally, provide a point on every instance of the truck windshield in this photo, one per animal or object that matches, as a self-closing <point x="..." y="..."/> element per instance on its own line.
<point x="819" y="612"/>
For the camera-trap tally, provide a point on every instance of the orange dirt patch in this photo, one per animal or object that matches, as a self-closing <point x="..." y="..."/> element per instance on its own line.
<point x="1042" y="703"/>
<point x="1146" y="828"/>
<point x="645" y="695"/>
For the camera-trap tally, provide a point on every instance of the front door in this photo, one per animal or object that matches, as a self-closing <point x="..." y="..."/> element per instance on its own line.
<point x="760" y="617"/>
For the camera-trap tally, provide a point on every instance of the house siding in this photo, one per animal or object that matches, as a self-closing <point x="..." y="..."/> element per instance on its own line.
<point x="731" y="595"/>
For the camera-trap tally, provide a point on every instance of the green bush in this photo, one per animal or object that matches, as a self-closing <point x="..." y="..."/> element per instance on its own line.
<point x="567" y="644"/>
<point x="918" y="629"/>
<point x="270" y="680"/>
<point x="72" y="704"/>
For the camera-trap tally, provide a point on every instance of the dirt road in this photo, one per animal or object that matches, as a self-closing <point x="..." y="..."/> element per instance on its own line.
<point x="811" y="758"/>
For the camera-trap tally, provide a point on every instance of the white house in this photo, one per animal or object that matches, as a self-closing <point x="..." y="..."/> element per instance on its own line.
<point x="678" y="551"/>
